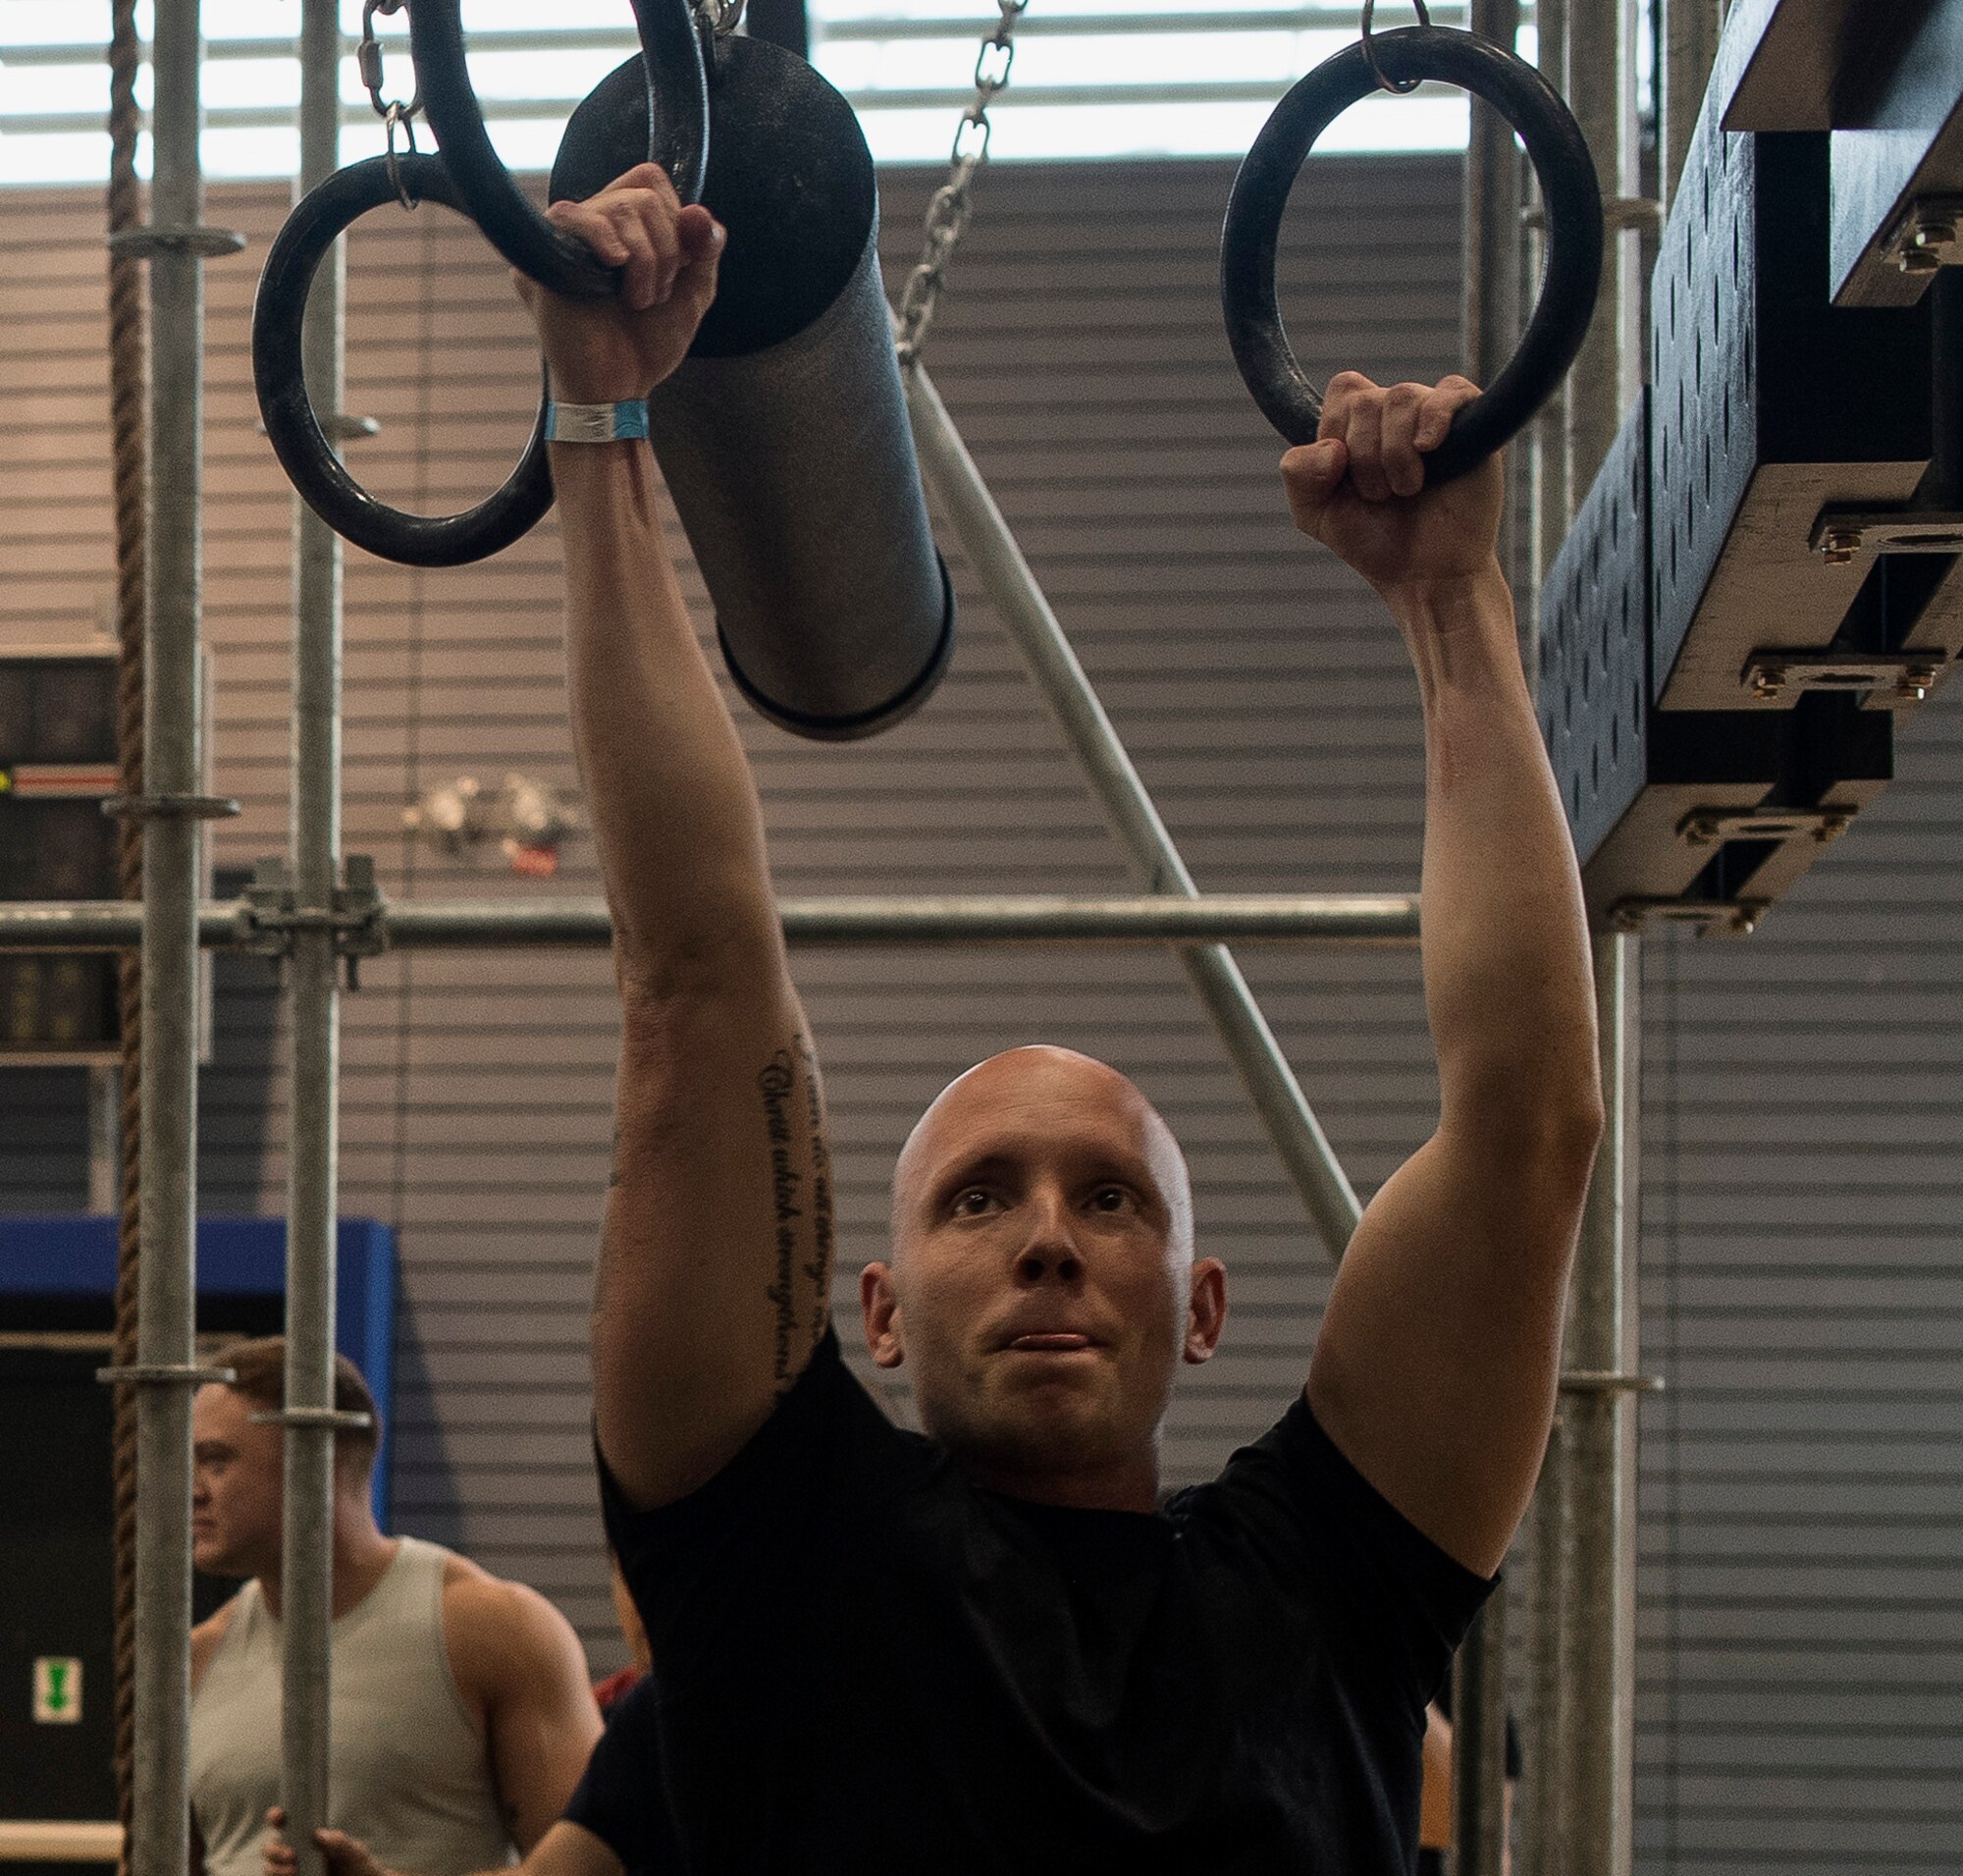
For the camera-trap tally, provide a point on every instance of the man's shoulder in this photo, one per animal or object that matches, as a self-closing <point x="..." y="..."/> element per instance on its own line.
<point x="208" y="1636"/>
<point x="503" y="1636"/>
<point x="480" y="1608"/>
<point x="829" y="1443"/>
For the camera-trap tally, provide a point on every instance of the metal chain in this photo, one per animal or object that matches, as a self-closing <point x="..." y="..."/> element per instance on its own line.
<point x="394" y="115"/>
<point x="948" y="212"/>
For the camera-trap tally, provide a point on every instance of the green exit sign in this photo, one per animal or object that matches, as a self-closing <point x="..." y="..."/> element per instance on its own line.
<point x="57" y="1690"/>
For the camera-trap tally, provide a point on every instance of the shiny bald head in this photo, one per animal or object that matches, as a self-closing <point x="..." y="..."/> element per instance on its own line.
<point x="1047" y="1086"/>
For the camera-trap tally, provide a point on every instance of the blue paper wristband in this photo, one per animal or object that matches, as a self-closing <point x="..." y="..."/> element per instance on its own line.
<point x="596" y="422"/>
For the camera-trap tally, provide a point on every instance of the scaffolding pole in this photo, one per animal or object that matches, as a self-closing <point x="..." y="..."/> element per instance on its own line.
<point x="1548" y="487"/>
<point x="1541" y="1790"/>
<point x="173" y="769"/>
<point x="1600" y="1392"/>
<point x="1579" y="1813"/>
<point x="1493" y="245"/>
<point x="1127" y="810"/>
<point x="241" y="925"/>
<point x="307" y="1570"/>
<point x="1600" y="48"/>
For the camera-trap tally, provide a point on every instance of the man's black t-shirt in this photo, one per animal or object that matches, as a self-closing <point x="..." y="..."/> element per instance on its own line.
<point x="864" y="1663"/>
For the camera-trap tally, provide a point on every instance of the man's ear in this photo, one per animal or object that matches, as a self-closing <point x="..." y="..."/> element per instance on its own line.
<point x="879" y="1304"/>
<point x="1206" y="1311"/>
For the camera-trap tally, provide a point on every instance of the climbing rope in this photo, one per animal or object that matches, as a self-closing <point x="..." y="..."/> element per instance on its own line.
<point x="952" y="204"/>
<point x="129" y="408"/>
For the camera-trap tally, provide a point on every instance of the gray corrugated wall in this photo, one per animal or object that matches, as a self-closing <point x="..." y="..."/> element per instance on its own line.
<point x="1802" y="1587"/>
<point x="1802" y="1632"/>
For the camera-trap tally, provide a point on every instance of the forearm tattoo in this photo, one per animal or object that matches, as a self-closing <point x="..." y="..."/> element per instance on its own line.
<point x="801" y="1203"/>
<point x="819" y="1269"/>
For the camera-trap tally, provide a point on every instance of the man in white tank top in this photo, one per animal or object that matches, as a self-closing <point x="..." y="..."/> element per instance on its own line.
<point x="461" y="1715"/>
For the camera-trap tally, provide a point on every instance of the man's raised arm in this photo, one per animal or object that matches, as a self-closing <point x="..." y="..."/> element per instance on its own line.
<point x="715" y="1255"/>
<point x="1435" y="1370"/>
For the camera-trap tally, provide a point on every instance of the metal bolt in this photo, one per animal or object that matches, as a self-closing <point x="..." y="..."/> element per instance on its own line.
<point x="1839" y="545"/>
<point x="1924" y="248"/>
<point x="1768" y="680"/>
<point x="1833" y="827"/>
<point x="1915" y="685"/>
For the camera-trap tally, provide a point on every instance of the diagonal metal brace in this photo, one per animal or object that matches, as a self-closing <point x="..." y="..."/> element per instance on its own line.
<point x="1127" y="808"/>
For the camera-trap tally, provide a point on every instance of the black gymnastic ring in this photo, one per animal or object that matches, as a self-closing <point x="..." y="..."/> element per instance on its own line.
<point x="1575" y="235"/>
<point x="305" y="453"/>
<point x="671" y="56"/>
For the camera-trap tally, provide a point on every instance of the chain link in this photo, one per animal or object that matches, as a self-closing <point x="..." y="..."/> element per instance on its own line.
<point x="720" y="17"/>
<point x="1370" y="47"/>
<point x="948" y="212"/>
<point x="397" y="117"/>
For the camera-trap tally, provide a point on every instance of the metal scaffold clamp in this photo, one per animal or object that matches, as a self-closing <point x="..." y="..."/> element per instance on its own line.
<point x="146" y="244"/>
<point x="1601" y="1382"/>
<point x="332" y="1419"/>
<point x="270" y="916"/>
<point x="165" y="1374"/>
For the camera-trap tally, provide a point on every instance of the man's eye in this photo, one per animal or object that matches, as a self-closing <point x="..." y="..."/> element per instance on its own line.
<point x="1110" y="1199"/>
<point x="971" y="1202"/>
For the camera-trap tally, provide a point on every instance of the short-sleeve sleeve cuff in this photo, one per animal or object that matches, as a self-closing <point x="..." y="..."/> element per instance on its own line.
<point x="1417" y="1598"/>
<point x="775" y="1453"/>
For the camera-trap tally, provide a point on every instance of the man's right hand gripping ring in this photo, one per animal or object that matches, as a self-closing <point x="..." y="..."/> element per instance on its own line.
<point x="1574" y="233"/>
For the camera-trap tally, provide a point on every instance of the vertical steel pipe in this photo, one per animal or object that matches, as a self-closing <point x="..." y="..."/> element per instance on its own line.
<point x="1492" y="227"/>
<point x="1479" y="1746"/>
<point x="1493" y="266"/>
<point x="1596" y="1587"/>
<point x="1600" y="1412"/>
<point x="1544" y="1775"/>
<point x="172" y="770"/>
<point x="1688" y="43"/>
<point x="1127" y="808"/>
<point x="1601" y="56"/>
<point x="1540" y="1779"/>
<point x="1550" y="497"/>
<point x="1576" y="1800"/>
<point x="308" y="1550"/>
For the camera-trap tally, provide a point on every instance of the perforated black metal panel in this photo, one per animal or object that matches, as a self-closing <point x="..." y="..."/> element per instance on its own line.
<point x="1594" y="642"/>
<point x="1770" y="405"/>
<point x="1679" y="812"/>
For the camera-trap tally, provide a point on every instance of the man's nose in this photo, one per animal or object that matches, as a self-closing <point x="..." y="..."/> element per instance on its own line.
<point x="1050" y="1250"/>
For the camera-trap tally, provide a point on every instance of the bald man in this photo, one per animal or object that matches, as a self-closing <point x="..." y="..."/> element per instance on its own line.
<point x="985" y="1648"/>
